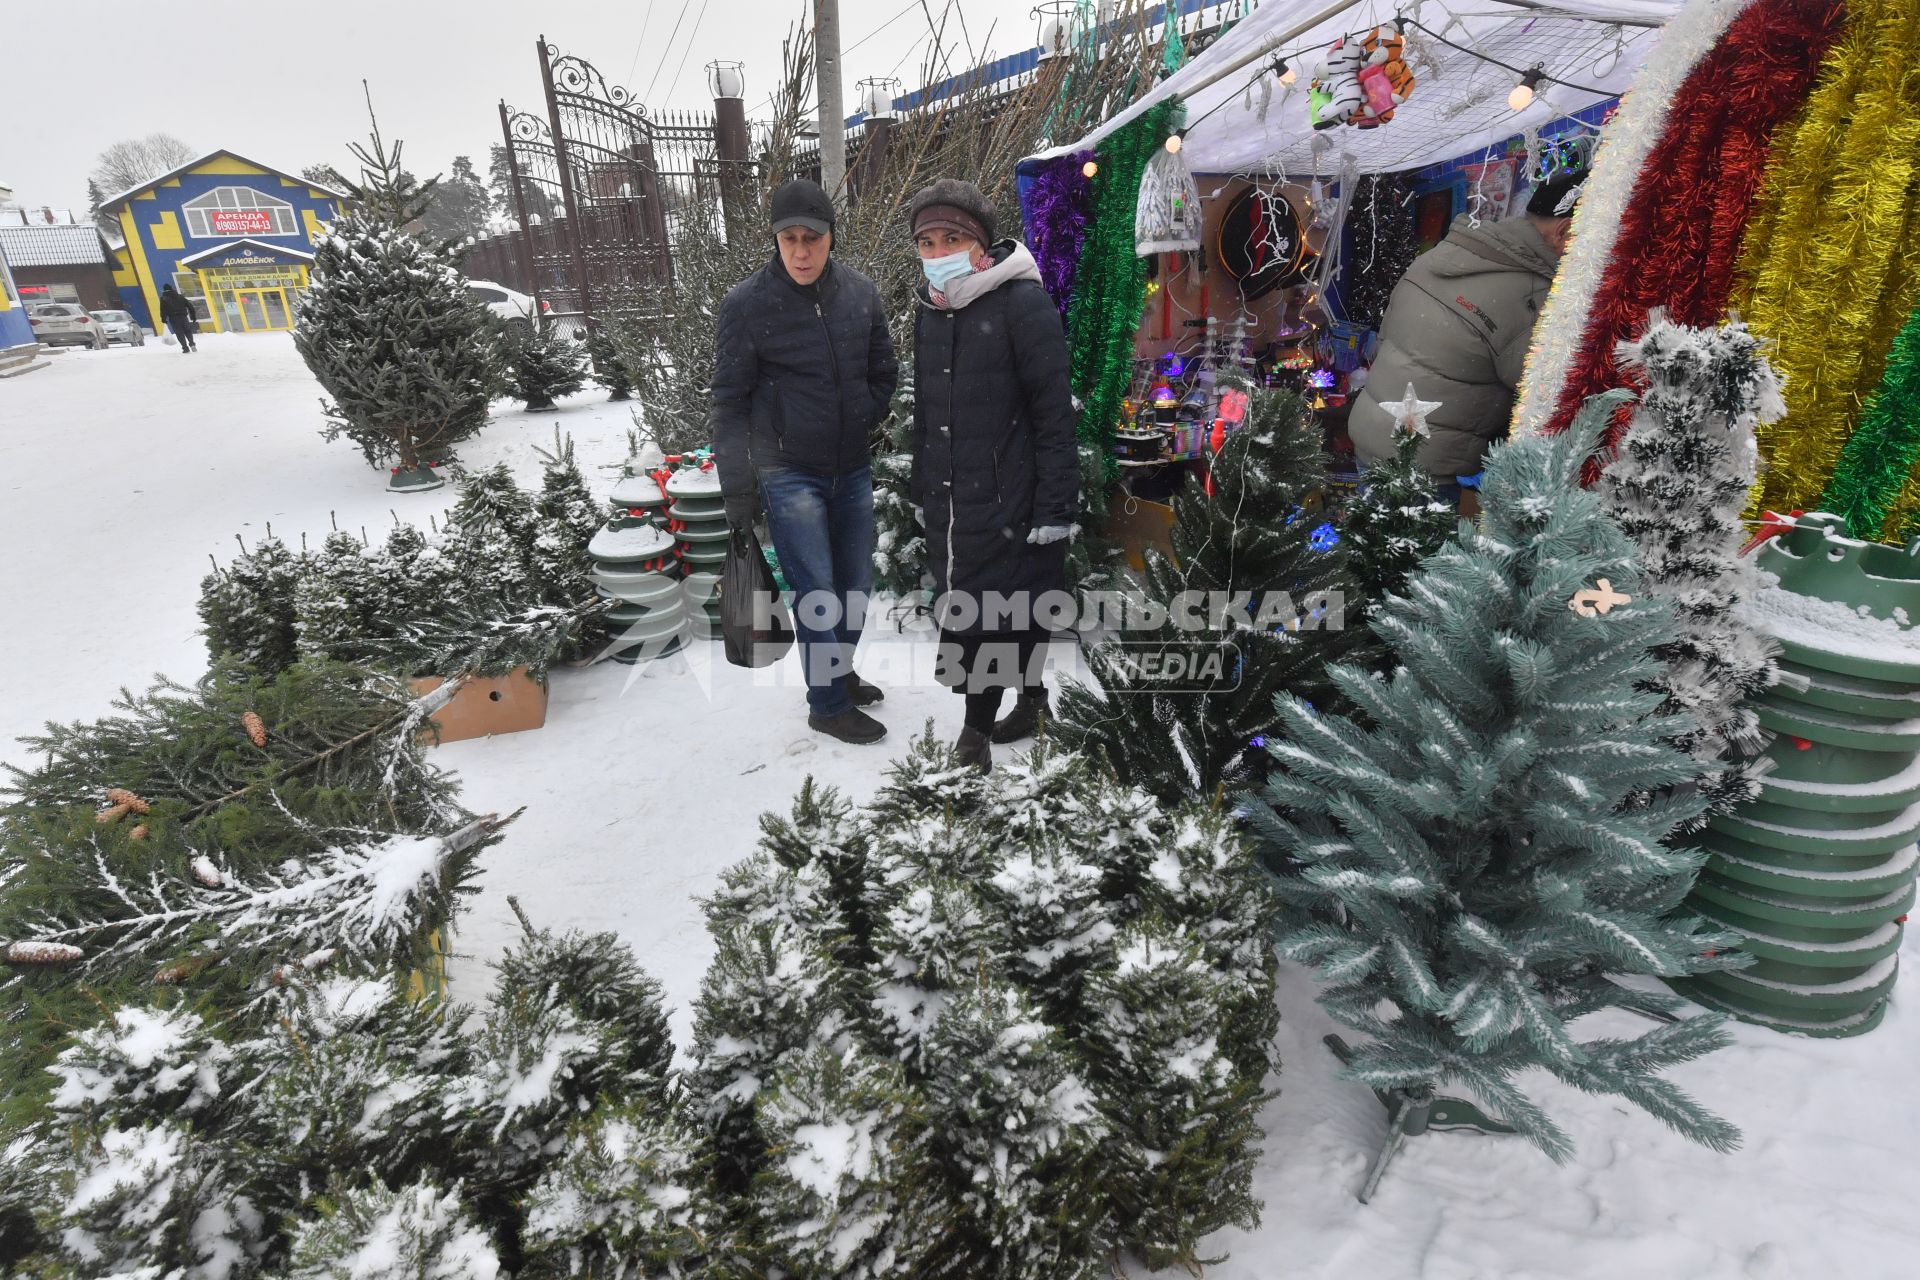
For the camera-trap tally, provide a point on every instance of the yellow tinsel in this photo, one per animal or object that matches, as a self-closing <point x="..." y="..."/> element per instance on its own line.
<point x="1829" y="269"/>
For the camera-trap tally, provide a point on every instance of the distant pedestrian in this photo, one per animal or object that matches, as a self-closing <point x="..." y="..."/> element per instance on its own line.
<point x="177" y="314"/>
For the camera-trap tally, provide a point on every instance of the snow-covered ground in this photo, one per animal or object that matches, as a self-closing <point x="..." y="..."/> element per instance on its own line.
<point x="124" y="469"/>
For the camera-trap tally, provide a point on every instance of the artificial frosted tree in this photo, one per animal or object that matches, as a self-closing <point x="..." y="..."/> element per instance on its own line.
<point x="1678" y="488"/>
<point x="409" y="362"/>
<point x="1255" y="600"/>
<point x="543" y="364"/>
<point x="995" y="1026"/>
<point x="1396" y="521"/>
<point x="1463" y="871"/>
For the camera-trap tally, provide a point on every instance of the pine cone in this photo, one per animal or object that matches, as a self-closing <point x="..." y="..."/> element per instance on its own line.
<point x="182" y="970"/>
<point x="138" y="833"/>
<point x="256" y="728"/>
<point x="42" y="953"/>
<point x="114" y="814"/>
<point x="122" y="796"/>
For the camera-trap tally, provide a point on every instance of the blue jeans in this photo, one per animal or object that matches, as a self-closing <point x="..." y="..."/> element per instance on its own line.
<point x="822" y="529"/>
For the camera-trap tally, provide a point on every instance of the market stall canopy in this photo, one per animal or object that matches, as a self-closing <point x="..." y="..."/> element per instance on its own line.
<point x="1588" y="49"/>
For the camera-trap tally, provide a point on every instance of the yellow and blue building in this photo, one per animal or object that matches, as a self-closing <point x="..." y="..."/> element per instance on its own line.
<point x="233" y="236"/>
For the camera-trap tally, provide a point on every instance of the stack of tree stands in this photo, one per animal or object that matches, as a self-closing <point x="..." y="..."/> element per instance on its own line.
<point x="1817" y="874"/>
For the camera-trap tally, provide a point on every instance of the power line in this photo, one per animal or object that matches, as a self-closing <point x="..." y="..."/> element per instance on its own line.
<point x="691" y="37"/>
<point x="911" y="6"/>
<point x="665" y="54"/>
<point x="639" y="44"/>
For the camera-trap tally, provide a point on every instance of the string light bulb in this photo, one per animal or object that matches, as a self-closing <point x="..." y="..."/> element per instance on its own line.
<point x="1090" y="168"/>
<point x="1522" y="96"/>
<point x="1287" y="74"/>
<point x="1174" y="143"/>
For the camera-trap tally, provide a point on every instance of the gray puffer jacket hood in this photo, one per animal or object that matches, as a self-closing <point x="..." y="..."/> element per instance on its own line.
<point x="1457" y="329"/>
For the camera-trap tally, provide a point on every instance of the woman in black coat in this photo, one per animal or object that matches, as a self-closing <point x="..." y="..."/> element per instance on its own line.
<point x="996" y="469"/>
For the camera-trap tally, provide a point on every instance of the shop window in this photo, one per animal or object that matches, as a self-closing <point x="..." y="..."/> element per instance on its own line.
<point x="238" y="211"/>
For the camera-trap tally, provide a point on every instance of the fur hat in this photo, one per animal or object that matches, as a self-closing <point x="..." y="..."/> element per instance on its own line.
<point x="955" y="205"/>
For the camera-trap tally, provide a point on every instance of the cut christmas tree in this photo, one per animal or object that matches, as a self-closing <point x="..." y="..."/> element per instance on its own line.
<point x="408" y="360"/>
<point x="1254" y="601"/>
<point x="1395" y="521"/>
<point x="1464" y="873"/>
<point x="543" y="364"/>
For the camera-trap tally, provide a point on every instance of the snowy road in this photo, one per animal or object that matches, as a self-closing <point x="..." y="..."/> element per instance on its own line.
<point x="123" y="470"/>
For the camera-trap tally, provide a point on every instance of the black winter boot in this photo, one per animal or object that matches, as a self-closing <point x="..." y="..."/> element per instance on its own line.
<point x="1029" y="712"/>
<point x="975" y="750"/>
<point x="854" y="726"/>
<point x="864" y="694"/>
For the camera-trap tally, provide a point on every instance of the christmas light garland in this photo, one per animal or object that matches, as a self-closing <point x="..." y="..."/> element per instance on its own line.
<point x="1831" y="265"/>
<point x="1711" y="162"/>
<point x="1874" y="486"/>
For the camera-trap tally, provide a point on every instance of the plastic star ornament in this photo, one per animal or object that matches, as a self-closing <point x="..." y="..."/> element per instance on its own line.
<point x="1410" y="414"/>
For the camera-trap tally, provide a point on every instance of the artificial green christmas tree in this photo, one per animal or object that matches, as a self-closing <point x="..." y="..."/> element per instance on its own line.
<point x="409" y="362"/>
<point x="1463" y="872"/>
<point x="542" y="364"/>
<point x="1255" y="601"/>
<point x="1395" y="522"/>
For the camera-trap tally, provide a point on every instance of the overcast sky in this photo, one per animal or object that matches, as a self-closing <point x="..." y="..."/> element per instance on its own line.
<point x="280" y="82"/>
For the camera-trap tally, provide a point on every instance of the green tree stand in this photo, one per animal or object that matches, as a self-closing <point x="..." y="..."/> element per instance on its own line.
<point x="1817" y="874"/>
<point x="698" y="518"/>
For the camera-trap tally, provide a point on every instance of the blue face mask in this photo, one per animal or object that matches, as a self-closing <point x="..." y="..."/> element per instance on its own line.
<point x="944" y="271"/>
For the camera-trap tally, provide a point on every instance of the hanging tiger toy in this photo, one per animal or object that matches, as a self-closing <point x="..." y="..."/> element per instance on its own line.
<point x="1385" y="79"/>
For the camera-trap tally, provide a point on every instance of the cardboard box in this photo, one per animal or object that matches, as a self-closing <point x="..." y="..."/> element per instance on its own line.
<point x="487" y="705"/>
<point x="1137" y="524"/>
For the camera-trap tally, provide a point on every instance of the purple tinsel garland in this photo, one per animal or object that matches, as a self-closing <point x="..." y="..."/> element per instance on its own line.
<point x="1058" y="202"/>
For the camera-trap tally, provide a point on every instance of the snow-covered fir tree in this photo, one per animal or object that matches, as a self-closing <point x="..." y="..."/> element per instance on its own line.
<point x="247" y="608"/>
<point x="900" y="544"/>
<point x="1677" y="488"/>
<point x="609" y="367"/>
<point x="409" y="361"/>
<point x="1271" y="600"/>
<point x="542" y="364"/>
<point x="1463" y="871"/>
<point x="413" y="1232"/>
<point x="1395" y="521"/>
<point x="910" y="1043"/>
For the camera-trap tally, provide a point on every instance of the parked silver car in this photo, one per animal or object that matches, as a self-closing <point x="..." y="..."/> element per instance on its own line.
<point x="66" y="324"/>
<point x="121" y="327"/>
<point x="512" y="306"/>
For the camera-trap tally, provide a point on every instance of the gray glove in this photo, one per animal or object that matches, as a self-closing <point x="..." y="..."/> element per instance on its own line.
<point x="1050" y="533"/>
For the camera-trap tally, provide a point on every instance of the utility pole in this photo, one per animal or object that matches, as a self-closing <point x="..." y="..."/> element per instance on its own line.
<point x="833" y="116"/>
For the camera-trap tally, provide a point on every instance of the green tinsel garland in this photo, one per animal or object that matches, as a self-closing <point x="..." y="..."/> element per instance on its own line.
<point x="1110" y="283"/>
<point x="1876" y="464"/>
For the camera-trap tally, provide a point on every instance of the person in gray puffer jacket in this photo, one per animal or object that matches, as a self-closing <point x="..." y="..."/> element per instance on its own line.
<point x="1458" y="329"/>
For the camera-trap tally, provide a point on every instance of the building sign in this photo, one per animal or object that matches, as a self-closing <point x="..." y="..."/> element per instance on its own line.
<point x="247" y="260"/>
<point x="240" y="222"/>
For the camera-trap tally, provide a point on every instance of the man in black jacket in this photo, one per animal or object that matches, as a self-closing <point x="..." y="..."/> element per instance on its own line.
<point x="804" y="370"/>
<point x="177" y="315"/>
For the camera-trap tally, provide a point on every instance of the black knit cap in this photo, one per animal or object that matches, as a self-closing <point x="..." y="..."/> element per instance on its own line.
<point x="801" y="203"/>
<point x="953" y="194"/>
<point x="1549" y="196"/>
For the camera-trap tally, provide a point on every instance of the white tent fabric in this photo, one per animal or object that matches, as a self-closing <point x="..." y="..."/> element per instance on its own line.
<point x="1247" y="122"/>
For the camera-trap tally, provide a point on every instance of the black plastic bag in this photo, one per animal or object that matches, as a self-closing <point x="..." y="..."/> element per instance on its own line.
<point x="754" y="623"/>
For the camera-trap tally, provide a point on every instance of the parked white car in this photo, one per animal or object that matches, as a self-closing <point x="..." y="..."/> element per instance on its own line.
<point x="512" y="306"/>
<point x="66" y="324"/>
<point x="121" y="327"/>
